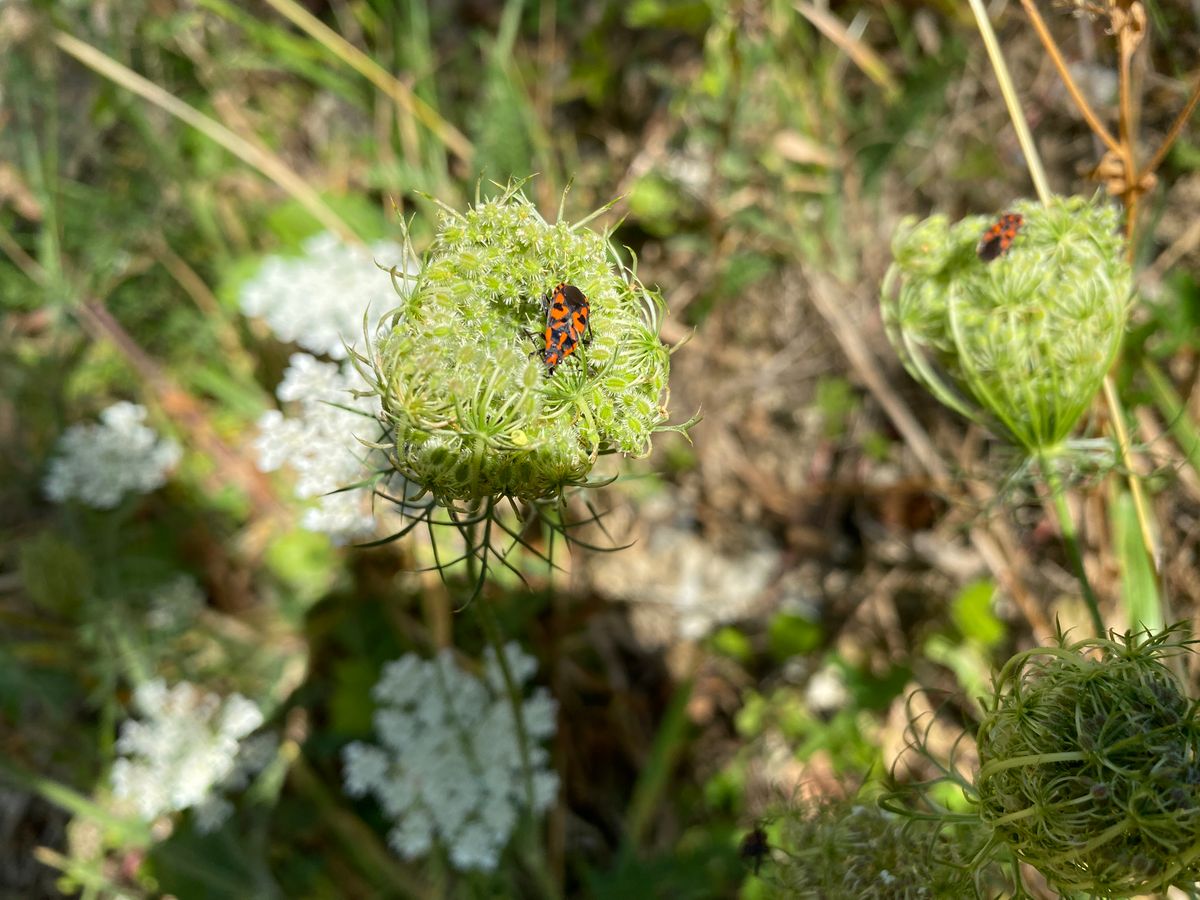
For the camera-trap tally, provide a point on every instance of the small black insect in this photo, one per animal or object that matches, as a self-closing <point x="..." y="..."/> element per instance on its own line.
<point x="755" y="848"/>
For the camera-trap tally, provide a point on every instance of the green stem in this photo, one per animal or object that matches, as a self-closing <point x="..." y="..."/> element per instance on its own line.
<point x="360" y="842"/>
<point x="491" y="631"/>
<point x="477" y="572"/>
<point x="1071" y="538"/>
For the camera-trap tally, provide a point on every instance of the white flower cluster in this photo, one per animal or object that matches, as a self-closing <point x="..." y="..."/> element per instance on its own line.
<point x="99" y="464"/>
<point x="320" y="443"/>
<point x="185" y="751"/>
<point x="317" y="300"/>
<point x="449" y="768"/>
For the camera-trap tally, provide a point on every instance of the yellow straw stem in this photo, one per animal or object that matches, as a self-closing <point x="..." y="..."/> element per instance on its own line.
<point x="1032" y="160"/>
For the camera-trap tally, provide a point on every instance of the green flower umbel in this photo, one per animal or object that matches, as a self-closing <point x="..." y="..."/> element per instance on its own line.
<point x="1090" y="766"/>
<point x="474" y="410"/>
<point x="1015" y="327"/>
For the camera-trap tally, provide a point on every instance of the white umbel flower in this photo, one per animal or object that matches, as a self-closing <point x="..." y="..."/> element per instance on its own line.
<point x="98" y="464"/>
<point x="184" y="748"/>
<point x="320" y="444"/>
<point x="449" y="769"/>
<point x="317" y="299"/>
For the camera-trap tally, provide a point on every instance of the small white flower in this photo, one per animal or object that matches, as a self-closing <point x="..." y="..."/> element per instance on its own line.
<point x="321" y="444"/>
<point x="185" y="746"/>
<point x="413" y="837"/>
<point x="545" y="790"/>
<point x="449" y="769"/>
<point x="826" y="692"/>
<point x="366" y="768"/>
<point x="476" y="848"/>
<point x="317" y="299"/>
<point x="212" y="813"/>
<point x="98" y="464"/>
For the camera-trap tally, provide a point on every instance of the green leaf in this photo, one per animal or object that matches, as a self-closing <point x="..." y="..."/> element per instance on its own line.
<point x="836" y="401"/>
<point x="1139" y="593"/>
<point x="307" y="563"/>
<point x="973" y="616"/>
<point x="730" y="642"/>
<point x="966" y="660"/>
<point x="57" y="577"/>
<point x="791" y="635"/>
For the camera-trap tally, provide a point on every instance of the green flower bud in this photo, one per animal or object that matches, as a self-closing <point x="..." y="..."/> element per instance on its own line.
<point x="474" y="410"/>
<point x="1090" y="766"/>
<point x="1016" y="337"/>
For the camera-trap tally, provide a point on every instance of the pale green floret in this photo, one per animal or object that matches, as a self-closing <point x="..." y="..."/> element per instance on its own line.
<point x="1020" y="344"/>
<point x="459" y="370"/>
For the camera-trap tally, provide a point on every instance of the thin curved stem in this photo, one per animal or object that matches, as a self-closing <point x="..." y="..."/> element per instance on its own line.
<point x="1066" y="525"/>
<point x="1135" y="482"/>
<point x="1173" y="132"/>
<point x="1051" y="48"/>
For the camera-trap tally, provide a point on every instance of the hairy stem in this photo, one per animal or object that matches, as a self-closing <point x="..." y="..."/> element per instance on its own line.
<point x="1066" y="525"/>
<point x="477" y="551"/>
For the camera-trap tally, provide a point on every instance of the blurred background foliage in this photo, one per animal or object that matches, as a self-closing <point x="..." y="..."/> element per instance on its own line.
<point x="794" y="575"/>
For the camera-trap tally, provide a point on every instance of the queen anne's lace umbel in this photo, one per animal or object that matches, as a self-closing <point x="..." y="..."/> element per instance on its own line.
<point x="184" y="751"/>
<point x="98" y="464"/>
<point x="319" y="443"/>
<point x="317" y="300"/>
<point x="448" y="768"/>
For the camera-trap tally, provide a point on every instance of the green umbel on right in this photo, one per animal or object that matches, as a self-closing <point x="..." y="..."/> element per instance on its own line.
<point x="1021" y="342"/>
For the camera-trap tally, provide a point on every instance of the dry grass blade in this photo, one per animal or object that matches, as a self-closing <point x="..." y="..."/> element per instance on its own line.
<point x="400" y="93"/>
<point x="1173" y="133"/>
<point x="870" y="62"/>
<point x="263" y="160"/>
<point x="1012" y="102"/>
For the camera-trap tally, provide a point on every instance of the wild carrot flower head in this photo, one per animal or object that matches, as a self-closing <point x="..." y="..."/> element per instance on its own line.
<point x="1090" y="766"/>
<point x="322" y="442"/>
<point x="474" y="410"/>
<point x="317" y="299"/>
<point x="184" y="750"/>
<point x="1015" y="327"/>
<point x="448" y="768"/>
<point x="98" y="464"/>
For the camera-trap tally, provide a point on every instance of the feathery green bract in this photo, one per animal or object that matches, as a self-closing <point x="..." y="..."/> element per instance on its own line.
<point x="1022" y="343"/>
